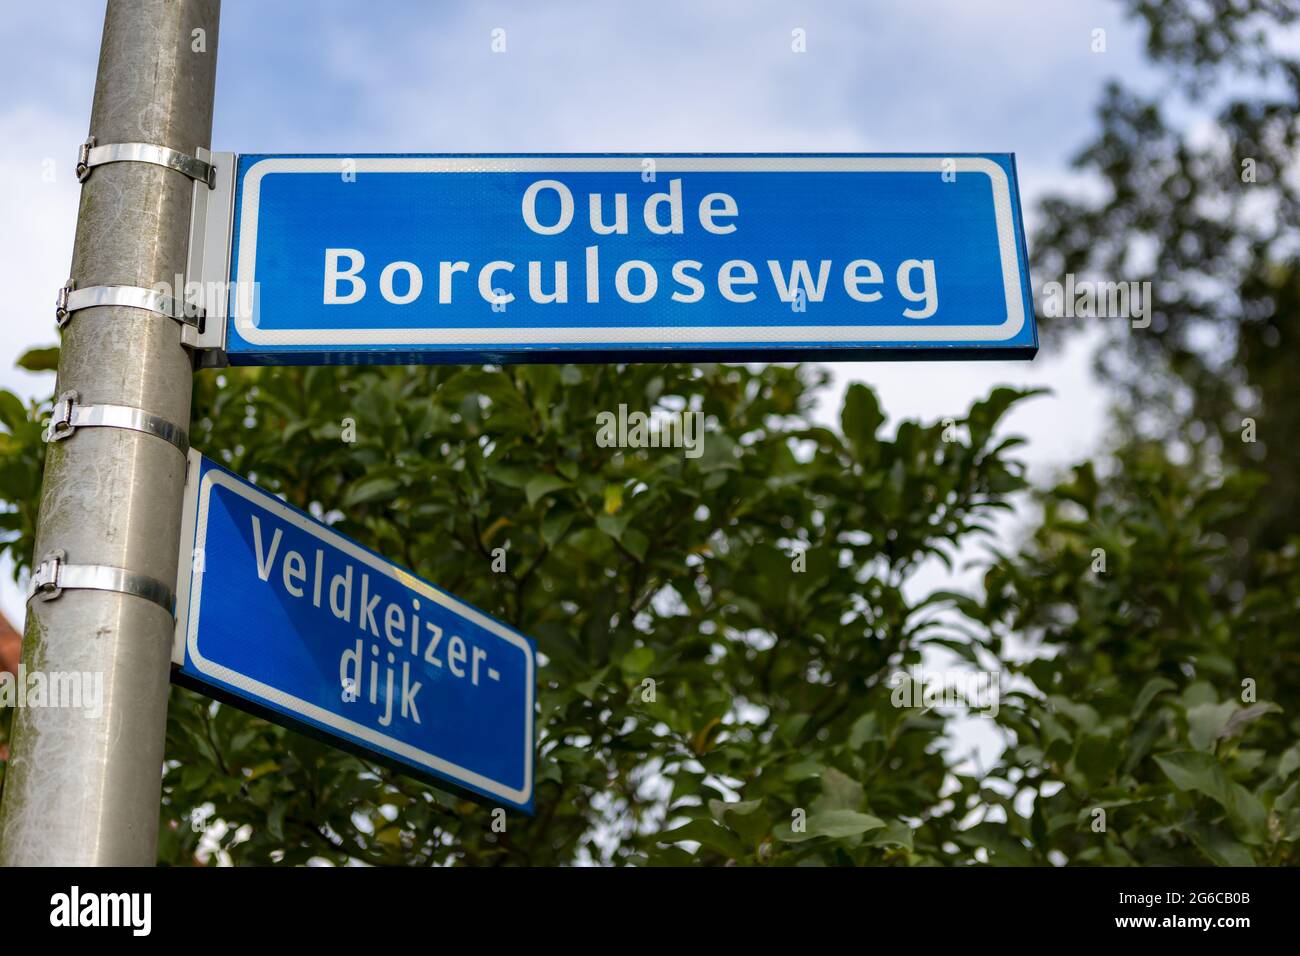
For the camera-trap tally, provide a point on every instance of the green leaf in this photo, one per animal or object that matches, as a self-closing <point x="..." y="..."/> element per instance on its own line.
<point x="985" y="415"/>
<point x="195" y="775"/>
<point x="839" y="792"/>
<point x="589" y="687"/>
<point x="1083" y="716"/>
<point x="543" y="485"/>
<point x="555" y="525"/>
<point x="12" y="411"/>
<point x="40" y="360"/>
<point x="370" y="489"/>
<point x="836" y="824"/>
<point x="1221" y="848"/>
<point x="1247" y="814"/>
<point x="719" y="454"/>
<point x="708" y="834"/>
<point x="786" y="833"/>
<point x="1096" y="757"/>
<point x="1288" y="762"/>
<point x="745" y="817"/>
<point x="864" y="729"/>
<point x="860" y="419"/>
<point x="719" y="808"/>
<point x="1150" y="689"/>
<point x="1205" y="721"/>
<point x="1240" y="719"/>
<point x="635" y="542"/>
<point x="637" y="662"/>
<point x="613" y="525"/>
<point x="1004" y="848"/>
<point x="510" y="477"/>
<point x="1198" y="772"/>
<point x="895" y="833"/>
<point x="275" y="819"/>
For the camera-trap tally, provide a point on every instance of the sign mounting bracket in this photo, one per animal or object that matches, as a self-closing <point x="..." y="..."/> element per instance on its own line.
<point x="207" y="268"/>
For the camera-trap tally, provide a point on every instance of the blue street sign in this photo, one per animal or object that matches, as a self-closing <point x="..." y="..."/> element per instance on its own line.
<point x="472" y="259"/>
<point x="283" y="616"/>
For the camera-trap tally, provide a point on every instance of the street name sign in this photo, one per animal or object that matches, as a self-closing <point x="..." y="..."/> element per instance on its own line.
<point x="283" y="616"/>
<point x="595" y="258"/>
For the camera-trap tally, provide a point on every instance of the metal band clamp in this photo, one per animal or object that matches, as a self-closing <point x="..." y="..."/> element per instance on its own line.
<point x="69" y="416"/>
<point x="54" y="575"/>
<point x="91" y="156"/>
<point x="72" y="299"/>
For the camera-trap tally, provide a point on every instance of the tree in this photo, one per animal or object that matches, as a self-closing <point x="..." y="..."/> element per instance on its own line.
<point x="1208" y="215"/>
<point x="1164" y="683"/>
<point x="722" y="637"/>
<point x="710" y="628"/>
<point x="1154" y="716"/>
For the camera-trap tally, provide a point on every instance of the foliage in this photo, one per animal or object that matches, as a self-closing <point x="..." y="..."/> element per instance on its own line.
<point x="704" y="701"/>
<point x="627" y="567"/>
<point x="1208" y="213"/>
<point x="1148" y="690"/>
<point x="769" y="683"/>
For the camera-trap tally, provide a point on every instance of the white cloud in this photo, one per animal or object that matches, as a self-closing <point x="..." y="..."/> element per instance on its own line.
<point x="36" y="246"/>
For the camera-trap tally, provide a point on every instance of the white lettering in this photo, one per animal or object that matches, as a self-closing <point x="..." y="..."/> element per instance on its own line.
<point x="356" y="261"/>
<point x="530" y="207"/>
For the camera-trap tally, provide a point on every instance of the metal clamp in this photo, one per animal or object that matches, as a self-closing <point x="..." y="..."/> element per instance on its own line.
<point x="91" y="156"/>
<point x="54" y="575"/>
<point x="71" y="299"/>
<point x="69" y="416"/>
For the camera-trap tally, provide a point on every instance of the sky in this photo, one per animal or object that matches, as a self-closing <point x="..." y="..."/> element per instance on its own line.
<point x="941" y="76"/>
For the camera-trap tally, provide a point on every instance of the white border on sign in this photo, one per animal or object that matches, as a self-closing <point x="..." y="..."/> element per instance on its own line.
<point x="676" y="335"/>
<point x="186" y="573"/>
<point x="258" y="690"/>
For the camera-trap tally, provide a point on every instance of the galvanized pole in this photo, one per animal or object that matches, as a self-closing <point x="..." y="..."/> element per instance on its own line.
<point x="83" y="788"/>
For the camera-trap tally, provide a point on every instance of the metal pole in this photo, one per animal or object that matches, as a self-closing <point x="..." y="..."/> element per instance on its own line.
<point x="84" y="788"/>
